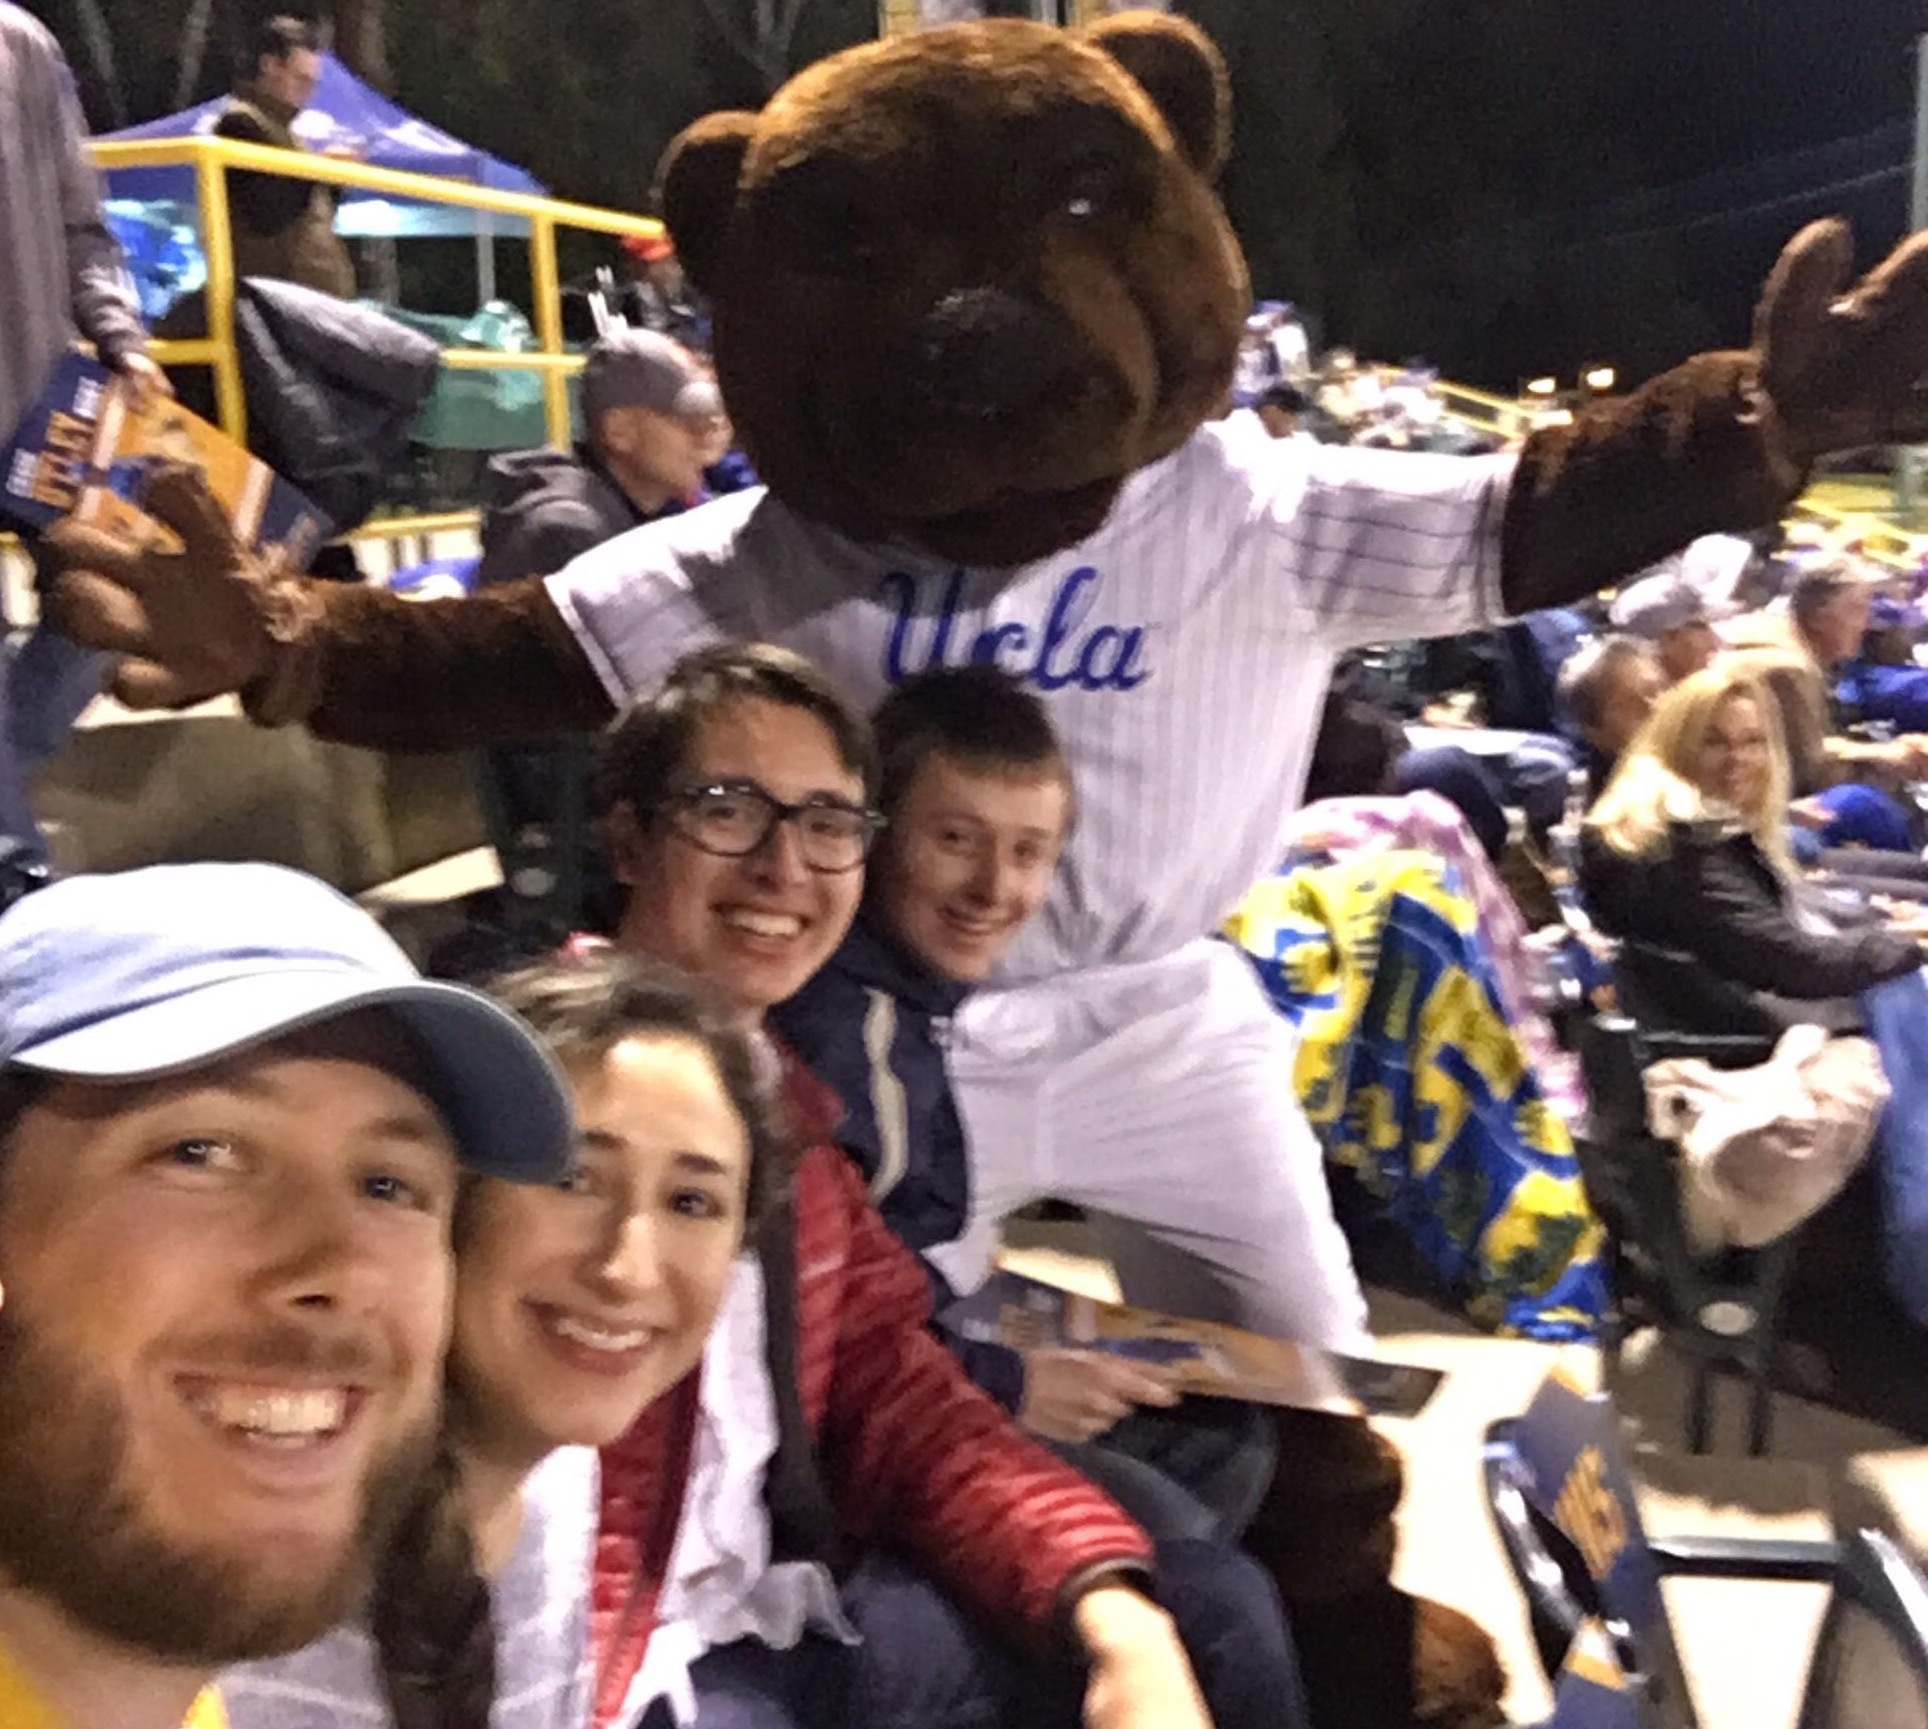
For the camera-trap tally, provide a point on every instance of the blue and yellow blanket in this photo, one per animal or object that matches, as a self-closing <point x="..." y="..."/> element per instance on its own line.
<point x="1414" y="1080"/>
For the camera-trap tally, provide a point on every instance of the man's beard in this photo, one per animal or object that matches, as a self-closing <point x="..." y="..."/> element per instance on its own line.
<point x="74" y="1531"/>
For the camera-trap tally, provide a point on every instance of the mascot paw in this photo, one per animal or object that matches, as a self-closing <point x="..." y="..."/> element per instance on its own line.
<point x="1373" y="1657"/>
<point x="1325" y="1530"/>
<point x="1843" y="361"/>
<point x="192" y="622"/>
<point x="1458" y="1679"/>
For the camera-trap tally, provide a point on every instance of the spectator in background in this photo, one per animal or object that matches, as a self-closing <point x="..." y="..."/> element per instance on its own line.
<point x="653" y="422"/>
<point x="1350" y="394"/>
<point x="1360" y="735"/>
<point x="61" y="273"/>
<point x="282" y="228"/>
<point x="61" y="276"/>
<point x="1686" y="854"/>
<point x="1885" y="683"/>
<point x="1282" y="409"/>
<point x="653" y="427"/>
<point x="1275" y="350"/>
<point x="658" y="295"/>
<point x="1845" y="784"/>
<point x="1667" y="611"/>
<point x="1607" y="690"/>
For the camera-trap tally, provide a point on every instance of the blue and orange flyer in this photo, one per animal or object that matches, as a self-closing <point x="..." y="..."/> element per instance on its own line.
<point x="1190" y="1356"/>
<point x="85" y="451"/>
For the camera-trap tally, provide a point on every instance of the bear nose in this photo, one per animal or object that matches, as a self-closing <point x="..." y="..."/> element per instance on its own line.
<point x="983" y="354"/>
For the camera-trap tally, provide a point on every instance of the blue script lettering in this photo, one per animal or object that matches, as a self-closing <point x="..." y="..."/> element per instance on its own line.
<point x="991" y="644"/>
<point x="1063" y="652"/>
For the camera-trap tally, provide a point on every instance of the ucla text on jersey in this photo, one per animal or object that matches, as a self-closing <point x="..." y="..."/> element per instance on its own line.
<point x="1051" y="655"/>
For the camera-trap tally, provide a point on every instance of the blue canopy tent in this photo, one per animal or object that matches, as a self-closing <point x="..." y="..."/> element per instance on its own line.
<point x="346" y="114"/>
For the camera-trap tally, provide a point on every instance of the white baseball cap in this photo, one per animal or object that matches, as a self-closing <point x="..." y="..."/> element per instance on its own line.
<point x="155" y="972"/>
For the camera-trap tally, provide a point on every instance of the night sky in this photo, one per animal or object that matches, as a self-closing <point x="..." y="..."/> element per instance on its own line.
<point x="1703" y="134"/>
<point x="1704" y="84"/>
<point x="1734" y="88"/>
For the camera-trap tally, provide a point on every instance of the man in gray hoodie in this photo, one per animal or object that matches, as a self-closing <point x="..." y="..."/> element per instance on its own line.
<point x="653" y="423"/>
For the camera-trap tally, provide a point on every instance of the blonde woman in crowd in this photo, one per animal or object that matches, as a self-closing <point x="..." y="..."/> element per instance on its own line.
<point x="1685" y="858"/>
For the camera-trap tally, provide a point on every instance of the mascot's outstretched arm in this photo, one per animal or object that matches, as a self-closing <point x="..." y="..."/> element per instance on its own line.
<point x="355" y="663"/>
<point x="984" y="385"/>
<point x="1835" y="365"/>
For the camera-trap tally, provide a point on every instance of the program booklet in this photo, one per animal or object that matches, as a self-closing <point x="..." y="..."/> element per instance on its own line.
<point x="1194" y="1356"/>
<point x="85" y="451"/>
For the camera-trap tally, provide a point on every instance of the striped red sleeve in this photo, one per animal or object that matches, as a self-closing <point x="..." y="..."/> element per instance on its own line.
<point x="913" y="1450"/>
<point x="644" y="1478"/>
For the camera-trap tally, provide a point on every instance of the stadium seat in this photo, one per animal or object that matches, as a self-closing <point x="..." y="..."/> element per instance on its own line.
<point x="1562" y="1502"/>
<point x="1722" y="1311"/>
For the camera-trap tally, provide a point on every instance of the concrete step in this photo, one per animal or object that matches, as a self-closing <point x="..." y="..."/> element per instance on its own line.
<point x="208" y="784"/>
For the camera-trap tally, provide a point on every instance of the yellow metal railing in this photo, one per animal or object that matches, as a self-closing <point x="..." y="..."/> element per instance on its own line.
<point x="1828" y="506"/>
<point x="213" y="158"/>
<point x="1875" y="536"/>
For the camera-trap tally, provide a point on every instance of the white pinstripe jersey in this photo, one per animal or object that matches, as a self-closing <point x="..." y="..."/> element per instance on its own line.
<point x="1184" y="649"/>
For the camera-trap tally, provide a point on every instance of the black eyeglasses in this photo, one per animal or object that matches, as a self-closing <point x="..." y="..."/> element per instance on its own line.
<point x="733" y="819"/>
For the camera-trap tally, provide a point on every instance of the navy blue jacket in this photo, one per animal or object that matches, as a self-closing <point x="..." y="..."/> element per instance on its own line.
<point x="873" y="1025"/>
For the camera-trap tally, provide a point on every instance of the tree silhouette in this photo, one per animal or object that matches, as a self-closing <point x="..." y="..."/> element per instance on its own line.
<point x="1418" y="174"/>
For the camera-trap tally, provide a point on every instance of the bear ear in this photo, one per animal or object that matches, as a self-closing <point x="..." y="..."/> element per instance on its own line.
<point x="696" y="188"/>
<point x="1184" y="75"/>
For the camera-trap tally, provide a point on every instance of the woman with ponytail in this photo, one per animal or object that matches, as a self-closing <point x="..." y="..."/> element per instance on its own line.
<point x="577" y="1307"/>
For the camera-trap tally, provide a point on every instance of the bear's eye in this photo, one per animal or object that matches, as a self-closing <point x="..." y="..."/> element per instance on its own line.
<point x="827" y="238"/>
<point x="821" y="219"/>
<point x="1093" y="188"/>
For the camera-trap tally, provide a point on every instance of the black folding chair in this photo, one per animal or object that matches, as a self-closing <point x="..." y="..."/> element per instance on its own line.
<point x="1871" y="1659"/>
<point x="1722" y="1311"/>
<point x="536" y="807"/>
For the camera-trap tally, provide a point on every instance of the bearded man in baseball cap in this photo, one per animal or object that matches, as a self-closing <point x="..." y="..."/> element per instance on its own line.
<point x="231" y="1123"/>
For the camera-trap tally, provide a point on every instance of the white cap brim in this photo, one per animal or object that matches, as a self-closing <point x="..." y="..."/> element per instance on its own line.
<point x="504" y="1100"/>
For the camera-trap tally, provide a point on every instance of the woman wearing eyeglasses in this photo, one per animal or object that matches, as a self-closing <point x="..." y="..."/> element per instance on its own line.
<point x="739" y="820"/>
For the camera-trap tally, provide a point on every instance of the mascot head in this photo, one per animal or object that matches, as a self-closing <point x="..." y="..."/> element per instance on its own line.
<point x="966" y="282"/>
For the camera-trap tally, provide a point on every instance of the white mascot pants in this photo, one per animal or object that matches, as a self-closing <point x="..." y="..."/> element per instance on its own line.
<point x="1159" y="1092"/>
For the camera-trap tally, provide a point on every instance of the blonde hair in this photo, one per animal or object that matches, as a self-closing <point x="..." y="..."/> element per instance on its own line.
<point x="1655" y="787"/>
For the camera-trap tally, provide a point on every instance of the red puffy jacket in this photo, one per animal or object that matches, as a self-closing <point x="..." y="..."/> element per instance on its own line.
<point x="908" y="1446"/>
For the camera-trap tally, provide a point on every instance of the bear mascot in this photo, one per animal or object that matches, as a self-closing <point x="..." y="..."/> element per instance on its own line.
<point x="976" y="309"/>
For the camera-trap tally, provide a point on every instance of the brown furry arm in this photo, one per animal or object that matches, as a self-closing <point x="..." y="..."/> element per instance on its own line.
<point x="1698" y="450"/>
<point x="367" y="667"/>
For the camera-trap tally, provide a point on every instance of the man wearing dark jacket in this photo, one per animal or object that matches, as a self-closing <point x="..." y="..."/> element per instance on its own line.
<point x="1607" y="691"/>
<point x="653" y="423"/>
<point x="282" y="227"/>
<point x="654" y="443"/>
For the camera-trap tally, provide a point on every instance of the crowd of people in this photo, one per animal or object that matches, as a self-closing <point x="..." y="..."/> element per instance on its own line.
<point x="572" y="1347"/>
<point x="1705" y="803"/>
<point x="265" y="1523"/>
